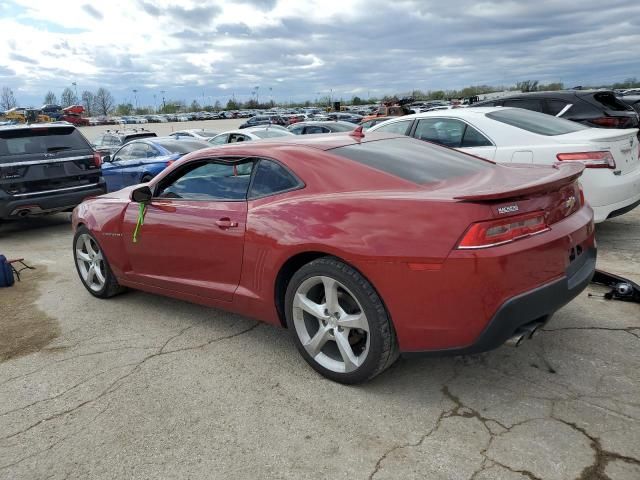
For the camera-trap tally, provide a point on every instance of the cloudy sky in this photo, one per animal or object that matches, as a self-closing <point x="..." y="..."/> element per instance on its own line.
<point x="304" y="49"/>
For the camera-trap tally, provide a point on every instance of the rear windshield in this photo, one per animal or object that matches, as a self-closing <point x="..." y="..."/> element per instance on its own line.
<point x="610" y="102"/>
<point x="39" y="141"/>
<point x="535" y="122"/>
<point x="182" y="146"/>
<point x="412" y="160"/>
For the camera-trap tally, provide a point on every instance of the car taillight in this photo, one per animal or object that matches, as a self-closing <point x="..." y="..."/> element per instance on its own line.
<point x="97" y="160"/>
<point x="582" y="202"/>
<point x="504" y="230"/>
<point x="589" y="159"/>
<point x="612" y="122"/>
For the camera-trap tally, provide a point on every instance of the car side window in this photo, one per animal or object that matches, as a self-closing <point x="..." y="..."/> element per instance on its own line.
<point x="237" y="137"/>
<point x="554" y="107"/>
<point x="444" y="131"/>
<point x="473" y="138"/>
<point x="271" y="178"/>
<point x="396" y="127"/>
<point x="297" y="130"/>
<point x="124" y="154"/>
<point x="526" y="103"/>
<point x="98" y="141"/>
<point x="219" y="140"/>
<point x="208" y="180"/>
<point x="312" y="129"/>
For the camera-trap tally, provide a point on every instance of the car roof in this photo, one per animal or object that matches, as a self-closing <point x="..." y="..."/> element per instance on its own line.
<point x="454" y="112"/>
<point x="22" y="126"/>
<point x="324" y="141"/>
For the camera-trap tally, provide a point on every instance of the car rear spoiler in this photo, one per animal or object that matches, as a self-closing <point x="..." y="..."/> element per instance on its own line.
<point x="504" y="183"/>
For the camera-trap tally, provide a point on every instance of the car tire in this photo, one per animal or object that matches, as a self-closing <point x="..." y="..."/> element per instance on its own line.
<point x="346" y="354"/>
<point x="87" y="255"/>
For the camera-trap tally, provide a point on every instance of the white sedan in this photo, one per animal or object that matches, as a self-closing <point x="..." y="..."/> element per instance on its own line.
<point x="611" y="180"/>
<point x="247" y="134"/>
<point x="198" y="133"/>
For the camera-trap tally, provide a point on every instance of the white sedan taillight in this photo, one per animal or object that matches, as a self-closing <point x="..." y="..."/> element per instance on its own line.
<point x="589" y="159"/>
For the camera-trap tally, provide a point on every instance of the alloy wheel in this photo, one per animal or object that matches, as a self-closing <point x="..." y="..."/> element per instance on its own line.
<point x="331" y="324"/>
<point x="90" y="262"/>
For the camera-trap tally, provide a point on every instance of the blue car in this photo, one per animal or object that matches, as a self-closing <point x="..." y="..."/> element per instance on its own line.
<point x="141" y="160"/>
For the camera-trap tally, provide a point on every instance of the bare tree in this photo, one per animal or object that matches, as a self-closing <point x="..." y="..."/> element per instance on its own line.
<point x="7" y="99"/>
<point x="50" y="98"/>
<point x="88" y="102"/>
<point x="68" y="98"/>
<point x="103" y="101"/>
<point x="527" y="86"/>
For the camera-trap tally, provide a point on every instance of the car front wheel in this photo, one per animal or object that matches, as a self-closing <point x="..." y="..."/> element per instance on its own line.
<point x="339" y="322"/>
<point x="92" y="265"/>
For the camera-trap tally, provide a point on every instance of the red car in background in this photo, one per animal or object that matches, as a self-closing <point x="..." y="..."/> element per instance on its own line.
<point x="73" y="114"/>
<point x="364" y="247"/>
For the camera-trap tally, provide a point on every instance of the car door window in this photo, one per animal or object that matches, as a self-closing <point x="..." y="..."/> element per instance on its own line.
<point x="396" y="127"/>
<point x="526" y="103"/>
<point x="297" y="130"/>
<point x="219" y="140"/>
<point x="136" y="151"/>
<point x="312" y="129"/>
<point x="444" y="131"/>
<point x="237" y="137"/>
<point x="271" y="178"/>
<point x="98" y="141"/>
<point x="473" y="138"/>
<point x="124" y="154"/>
<point x="208" y="180"/>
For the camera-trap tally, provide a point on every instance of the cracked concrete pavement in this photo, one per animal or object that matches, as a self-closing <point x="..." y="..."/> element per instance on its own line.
<point x="142" y="386"/>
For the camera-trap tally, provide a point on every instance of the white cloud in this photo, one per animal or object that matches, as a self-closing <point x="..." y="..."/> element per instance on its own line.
<point x="300" y="48"/>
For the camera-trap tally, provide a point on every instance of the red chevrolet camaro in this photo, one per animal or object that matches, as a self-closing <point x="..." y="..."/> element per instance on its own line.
<point x="364" y="247"/>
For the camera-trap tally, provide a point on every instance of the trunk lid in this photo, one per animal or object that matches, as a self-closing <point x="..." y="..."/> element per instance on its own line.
<point x="45" y="158"/>
<point x="517" y="189"/>
<point x="623" y="145"/>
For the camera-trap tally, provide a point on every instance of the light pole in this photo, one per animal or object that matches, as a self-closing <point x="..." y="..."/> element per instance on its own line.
<point x="75" y="85"/>
<point x="164" y="105"/>
<point x="155" y="104"/>
<point x="257" y="97"/>
<point x="135" y="96"/>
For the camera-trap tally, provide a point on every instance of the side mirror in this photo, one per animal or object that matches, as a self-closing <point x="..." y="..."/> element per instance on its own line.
<point x="142" y="195"/>
<point x="106" y="158"/>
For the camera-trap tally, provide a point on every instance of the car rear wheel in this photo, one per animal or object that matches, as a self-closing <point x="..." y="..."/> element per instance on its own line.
<point x="92" y="266"/>
<point x="339" y="322"/>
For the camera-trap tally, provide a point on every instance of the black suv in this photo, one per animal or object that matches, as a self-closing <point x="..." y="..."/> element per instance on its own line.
<point x="112" y="140"/>
<point x="46" y="168"/>
<point x="594" y="108"/>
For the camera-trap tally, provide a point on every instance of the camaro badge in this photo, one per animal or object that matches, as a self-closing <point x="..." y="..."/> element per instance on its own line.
<point x="509" y="209"/>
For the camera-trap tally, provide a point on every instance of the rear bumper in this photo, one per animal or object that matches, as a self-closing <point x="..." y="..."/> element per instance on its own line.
<point x="611" y="195"/>
<point x="537" y="305"/>
<point x="12" y="207"/>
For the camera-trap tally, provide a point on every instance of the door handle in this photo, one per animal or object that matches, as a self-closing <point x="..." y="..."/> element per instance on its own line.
<point x="225" y="223"/>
